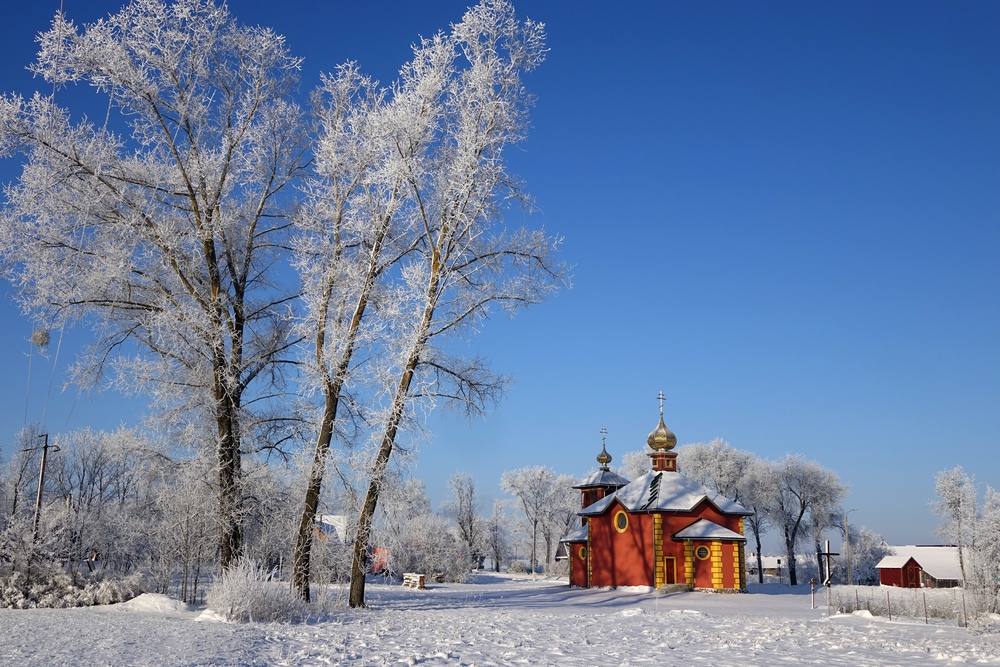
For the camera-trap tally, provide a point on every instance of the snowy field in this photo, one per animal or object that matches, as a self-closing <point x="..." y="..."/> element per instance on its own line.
<point x="498" y="620"/>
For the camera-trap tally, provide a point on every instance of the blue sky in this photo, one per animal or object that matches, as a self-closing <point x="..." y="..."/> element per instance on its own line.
<point x="783" y="215"/>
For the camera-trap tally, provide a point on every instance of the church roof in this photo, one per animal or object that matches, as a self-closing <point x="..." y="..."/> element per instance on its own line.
<point x="604" y="478"/>
<point x="578" y="535"/>
<point x="703" y="529"/>
<point x="664" y="491"/>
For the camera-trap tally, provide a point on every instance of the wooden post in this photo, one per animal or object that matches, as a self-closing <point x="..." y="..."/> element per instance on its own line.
<point x="926" y="621"/>
<point x="888" y="605"/>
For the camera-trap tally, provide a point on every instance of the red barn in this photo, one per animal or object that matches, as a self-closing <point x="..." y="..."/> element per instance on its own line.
<point x="657" y="530"/>
<point x="901" y="571"/>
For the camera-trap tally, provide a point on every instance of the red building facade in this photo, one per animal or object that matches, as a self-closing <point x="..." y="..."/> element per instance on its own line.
<point x="661" y="529"/>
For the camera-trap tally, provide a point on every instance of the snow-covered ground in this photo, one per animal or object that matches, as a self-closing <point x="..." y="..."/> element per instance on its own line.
<point x="498" y="620"/>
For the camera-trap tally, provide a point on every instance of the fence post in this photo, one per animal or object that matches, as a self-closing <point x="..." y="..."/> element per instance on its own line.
<point x="926" y="622"/>
<point x="888" y="604"/>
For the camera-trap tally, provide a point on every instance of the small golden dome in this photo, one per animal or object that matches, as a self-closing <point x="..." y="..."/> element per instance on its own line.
<point x="661" y="439"/>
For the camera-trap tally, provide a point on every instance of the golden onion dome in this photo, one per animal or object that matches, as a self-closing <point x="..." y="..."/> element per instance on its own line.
<point x="661" y="439"/>
<point x="604" y="458"/>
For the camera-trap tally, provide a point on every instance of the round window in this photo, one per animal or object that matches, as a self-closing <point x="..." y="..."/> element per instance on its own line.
<point x="702" y="552"/>
<point x="582" y="553"/>
<point x="621" y="521"/>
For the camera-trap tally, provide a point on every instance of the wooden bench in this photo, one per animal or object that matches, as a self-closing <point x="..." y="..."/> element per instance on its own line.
<point x="413" y="580"/>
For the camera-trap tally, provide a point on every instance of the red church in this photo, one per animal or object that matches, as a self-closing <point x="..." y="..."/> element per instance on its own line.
<point x="661" y="529"/>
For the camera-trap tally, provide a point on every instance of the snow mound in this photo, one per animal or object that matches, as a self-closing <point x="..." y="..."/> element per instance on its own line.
<point x="155" y="603"/>
<point x="631" y="612"/>
<point x="211" y="616"/>
<point x="864" y="613"/>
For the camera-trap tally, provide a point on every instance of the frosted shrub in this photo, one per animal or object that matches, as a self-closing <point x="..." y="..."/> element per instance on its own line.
<point x="428" y="547"/>
<point x="247" y="592"/>
<point x="52" y="587"/>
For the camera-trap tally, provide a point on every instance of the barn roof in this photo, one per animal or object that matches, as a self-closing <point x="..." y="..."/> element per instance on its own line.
<point x="664" y="491"/>
<point x="703" y="529"/>
<point x="892" y="562"/>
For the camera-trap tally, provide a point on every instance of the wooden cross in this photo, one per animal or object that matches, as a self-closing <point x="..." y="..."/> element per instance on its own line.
<point x="829" y="566"/>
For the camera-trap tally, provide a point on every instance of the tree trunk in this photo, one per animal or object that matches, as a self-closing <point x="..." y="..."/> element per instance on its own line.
<point x="301" y="557"/>
<point x="790" y="555"/>
<point x="760" y="557"/>
<point x="231" y="531"/>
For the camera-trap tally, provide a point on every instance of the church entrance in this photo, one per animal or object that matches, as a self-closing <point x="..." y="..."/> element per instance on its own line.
<point x="669" y="570"/>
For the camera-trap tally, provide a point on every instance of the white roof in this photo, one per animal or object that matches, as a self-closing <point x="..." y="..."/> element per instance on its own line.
<point x="578" y="535"/>
<point x="604" y="478"/>
<point x="703" y="529"/>
<point x="664" y="491"/>
<point x="333" y="525"/>
<point x="940" y="562"/>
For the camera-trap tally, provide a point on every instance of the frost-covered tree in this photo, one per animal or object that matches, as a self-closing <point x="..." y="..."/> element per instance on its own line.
<point x="350" y="236"/>
<point x="716" y="464"/>
<point x="533" y="487"/>
<point x="957" y="507"/>
<point x="462" y="508"/>
<point x="161" y="226"/>
<point x="463" y="89"/>
<point x="756" y="491"/>
<point x="984" y="556"/>
<point x="496" y="535"/>
<point x="801" y="486"/>
<point x="867" y="549"/>
<point x="633" y="465"/>
<point x="560" y="515"/>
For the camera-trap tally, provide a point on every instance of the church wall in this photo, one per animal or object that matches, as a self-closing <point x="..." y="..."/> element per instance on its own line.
<point x="621" y="558"/>
<point x="578" y="564"/>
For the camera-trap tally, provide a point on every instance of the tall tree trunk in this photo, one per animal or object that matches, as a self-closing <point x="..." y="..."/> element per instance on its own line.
<point x="760" y="557"/>
<point x="301" y="558"/>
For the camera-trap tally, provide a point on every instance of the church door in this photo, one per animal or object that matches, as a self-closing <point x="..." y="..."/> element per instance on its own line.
<point x="669" y="570"/>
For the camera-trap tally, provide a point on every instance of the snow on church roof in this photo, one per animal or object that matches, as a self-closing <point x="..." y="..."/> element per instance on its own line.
<point x="604" y="478"/>
<point x="578" y="535"/>
<point x="662" y="491"/>
<point x="703" y="529"/>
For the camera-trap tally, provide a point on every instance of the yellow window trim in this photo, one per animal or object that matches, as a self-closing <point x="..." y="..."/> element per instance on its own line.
<point x="615" y="521"/>
<point x="697" y="552"/>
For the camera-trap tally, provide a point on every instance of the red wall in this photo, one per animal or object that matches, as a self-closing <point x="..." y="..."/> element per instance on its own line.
<point x="621" y="559"/>
<point x="907" y="576"/>
<point x="577" y="565"/>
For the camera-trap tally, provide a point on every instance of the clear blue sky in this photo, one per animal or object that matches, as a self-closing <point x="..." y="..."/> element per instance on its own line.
<point x="784" y="215"/>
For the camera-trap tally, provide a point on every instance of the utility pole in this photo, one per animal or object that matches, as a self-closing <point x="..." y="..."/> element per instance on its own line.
<point x="41" y="484"/>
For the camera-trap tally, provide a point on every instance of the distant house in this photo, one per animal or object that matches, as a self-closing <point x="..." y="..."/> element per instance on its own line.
<point x="921" y="566"/>
<point x="331" y="526"/>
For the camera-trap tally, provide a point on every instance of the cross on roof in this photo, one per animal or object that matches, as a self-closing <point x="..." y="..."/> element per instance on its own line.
<point x="661" y="399"/>
<point x="604" y="435"/>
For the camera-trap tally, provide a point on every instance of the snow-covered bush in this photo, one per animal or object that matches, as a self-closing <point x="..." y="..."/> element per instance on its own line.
<point x="247" y="591"/>
<point x="52" y="587"/>
<point x="426" y="545"/>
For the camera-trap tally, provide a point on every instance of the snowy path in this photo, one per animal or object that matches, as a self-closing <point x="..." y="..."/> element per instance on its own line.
<point x="501" y="621"/>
